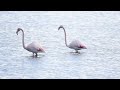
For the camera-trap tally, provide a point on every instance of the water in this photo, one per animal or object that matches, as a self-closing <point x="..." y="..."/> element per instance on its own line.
<point x="98" y="30"/>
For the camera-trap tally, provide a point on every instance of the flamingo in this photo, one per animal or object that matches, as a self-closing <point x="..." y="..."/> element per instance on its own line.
<point x="34" y="47"/>
<point x="75" y="44"/>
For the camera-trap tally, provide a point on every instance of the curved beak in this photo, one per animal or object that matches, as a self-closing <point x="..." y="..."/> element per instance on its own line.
<point x="59" y="28"/>
<point x="17" y="32"/>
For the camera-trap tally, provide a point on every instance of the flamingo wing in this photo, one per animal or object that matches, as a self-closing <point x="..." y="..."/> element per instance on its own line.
<point x="35" y="47"/>
<point x="75" y="44"/>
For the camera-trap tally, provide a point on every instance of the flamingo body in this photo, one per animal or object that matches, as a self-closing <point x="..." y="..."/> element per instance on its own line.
<point x="33" y="47"/>
<point x="76" y="45"/>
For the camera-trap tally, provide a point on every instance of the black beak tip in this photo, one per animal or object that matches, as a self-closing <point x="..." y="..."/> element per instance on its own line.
<point x="59" y="28"/>
<point x="16" y="33"/>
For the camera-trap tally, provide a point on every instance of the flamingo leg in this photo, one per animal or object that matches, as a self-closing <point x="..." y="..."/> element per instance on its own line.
<point x="76" y="51"/>
<point x="33" y="54"/>
<point x="36" y="54"/>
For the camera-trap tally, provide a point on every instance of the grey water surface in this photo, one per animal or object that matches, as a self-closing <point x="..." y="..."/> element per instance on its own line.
<point x="98" y="30"/>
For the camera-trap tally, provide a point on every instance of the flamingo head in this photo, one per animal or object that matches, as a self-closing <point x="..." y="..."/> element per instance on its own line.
<point x="18" y="30"/>
<point x="60" y="27"/>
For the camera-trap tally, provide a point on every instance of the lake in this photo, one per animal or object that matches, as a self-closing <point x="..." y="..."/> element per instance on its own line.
<point x="98" y="30"/>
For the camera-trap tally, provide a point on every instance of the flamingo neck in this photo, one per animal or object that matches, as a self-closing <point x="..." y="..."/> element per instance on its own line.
<point x="65" y="37"/>
<point x="23" y="39"/>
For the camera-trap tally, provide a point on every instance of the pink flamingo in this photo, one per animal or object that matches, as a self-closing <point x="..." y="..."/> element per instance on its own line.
<point x="34" y="47"/>
<point x="76" y="45"/>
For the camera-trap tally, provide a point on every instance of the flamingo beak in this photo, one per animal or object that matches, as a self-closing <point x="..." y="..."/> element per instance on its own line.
<point x="17" y="32"/>
<point x="58" y="28"/>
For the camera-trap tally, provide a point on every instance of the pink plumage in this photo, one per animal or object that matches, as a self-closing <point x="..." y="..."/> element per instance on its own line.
<point x="76" y="44"/>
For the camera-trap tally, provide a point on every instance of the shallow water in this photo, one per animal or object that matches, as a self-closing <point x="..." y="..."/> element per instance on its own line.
<point x="98" y="30"/>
